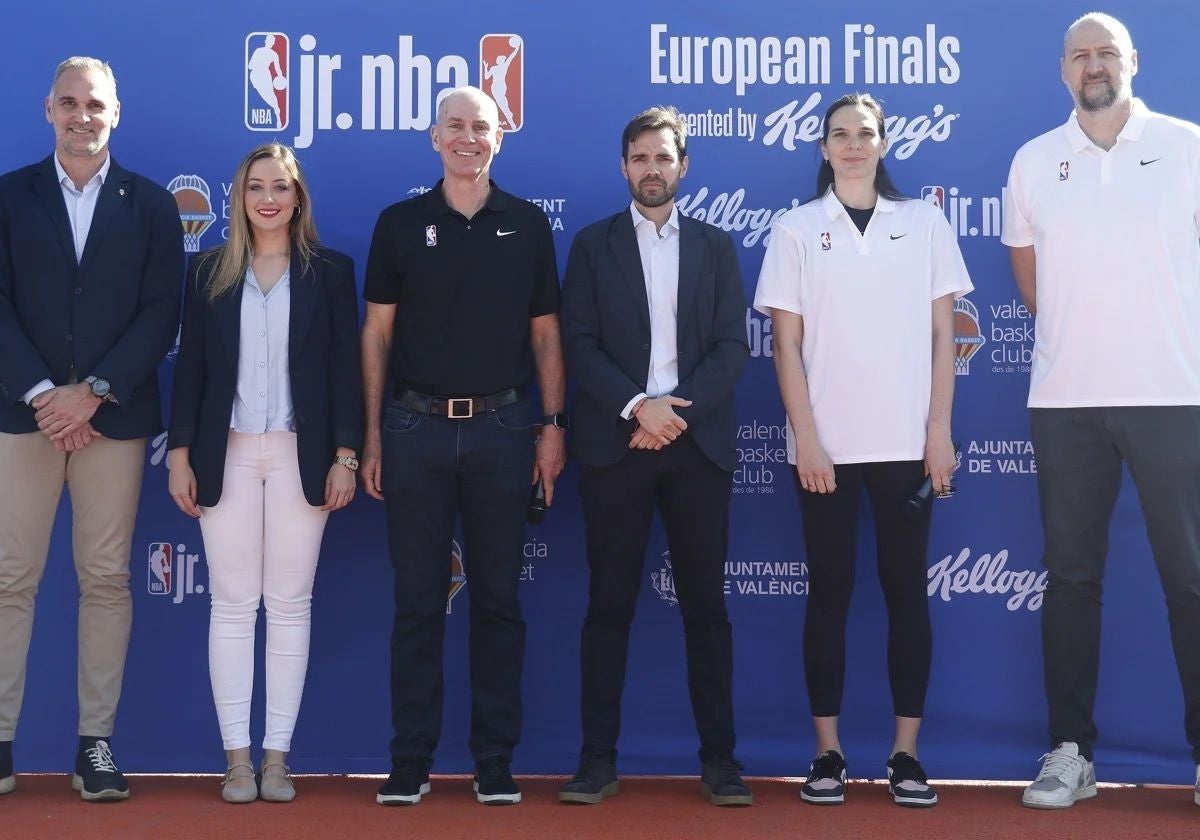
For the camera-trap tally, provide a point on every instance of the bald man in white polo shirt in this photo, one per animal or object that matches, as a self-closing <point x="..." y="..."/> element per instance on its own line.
<point x="1102" y="218"/>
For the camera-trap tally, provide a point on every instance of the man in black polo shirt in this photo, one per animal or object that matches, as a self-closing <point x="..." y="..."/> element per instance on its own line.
<point x="462" y="295"/>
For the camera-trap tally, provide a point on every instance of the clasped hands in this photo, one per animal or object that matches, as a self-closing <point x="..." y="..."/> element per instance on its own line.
<point x="657" y="423"/>
<point x="64" y="415"/>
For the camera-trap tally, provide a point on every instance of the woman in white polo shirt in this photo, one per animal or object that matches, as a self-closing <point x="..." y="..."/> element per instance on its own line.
<point x="861" y="284"/>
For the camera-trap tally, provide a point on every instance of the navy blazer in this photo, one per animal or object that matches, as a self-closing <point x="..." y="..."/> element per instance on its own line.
<point x="112" y="314"/>
<point x="323" y="366"/>
<point x="606" y="337"/>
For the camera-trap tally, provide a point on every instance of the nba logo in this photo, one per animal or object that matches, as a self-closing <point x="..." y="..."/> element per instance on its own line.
<point x="430" y="236"/>
<point x="268" y="72"/>
<point x="934" y="195"/>
<point x="502" y="76"/>
<point x="1064" y="170"/>
<point x="159" y="576"/>
<point x="826" y="244"/>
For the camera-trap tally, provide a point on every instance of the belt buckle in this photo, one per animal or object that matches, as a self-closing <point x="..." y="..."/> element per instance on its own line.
<point x="452" y="412"/>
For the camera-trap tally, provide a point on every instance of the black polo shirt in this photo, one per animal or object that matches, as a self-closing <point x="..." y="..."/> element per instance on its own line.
<point x="464" y="290"/>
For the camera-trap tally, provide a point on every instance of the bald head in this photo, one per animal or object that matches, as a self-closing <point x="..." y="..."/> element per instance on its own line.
<point x="1094" y="21"/>
<point x="470" y="95"/>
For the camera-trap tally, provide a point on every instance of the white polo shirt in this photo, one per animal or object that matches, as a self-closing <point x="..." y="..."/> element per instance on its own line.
<point x="1116" y="235"/>
<point x="866" y="299"/>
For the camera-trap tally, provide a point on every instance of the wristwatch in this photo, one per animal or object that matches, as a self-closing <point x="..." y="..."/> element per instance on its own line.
<point x="100" y="388"/>
<point x="347" y="461"/>
<point x="558" y="420"/>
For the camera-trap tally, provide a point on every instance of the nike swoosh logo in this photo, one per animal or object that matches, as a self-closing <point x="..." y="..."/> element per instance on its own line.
<point x="505" y="232"/>
<point x="901" y="236"/>
<point x="1148" y="162"/>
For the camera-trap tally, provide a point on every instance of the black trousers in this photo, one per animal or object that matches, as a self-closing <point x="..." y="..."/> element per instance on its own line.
<point x="1079" y="456"/>
<point x="901" y="543"/>
<point x="692" y="496"/>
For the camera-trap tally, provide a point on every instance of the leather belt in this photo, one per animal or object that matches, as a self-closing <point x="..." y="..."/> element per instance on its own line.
<point x="456" y="408"/>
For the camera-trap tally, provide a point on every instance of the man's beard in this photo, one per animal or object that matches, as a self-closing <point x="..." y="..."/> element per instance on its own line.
<point x="646" y="200"/>
<point x="1096" y="100"/>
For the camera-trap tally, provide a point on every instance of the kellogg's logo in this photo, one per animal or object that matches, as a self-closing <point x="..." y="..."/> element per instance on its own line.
<point x="988" y="576"/>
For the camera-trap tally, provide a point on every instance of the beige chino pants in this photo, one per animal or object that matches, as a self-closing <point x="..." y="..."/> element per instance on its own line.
<point x="104" y="481"/>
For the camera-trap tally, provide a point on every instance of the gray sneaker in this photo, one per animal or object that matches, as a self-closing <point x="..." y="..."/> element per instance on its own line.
<point x="1196" y="796"/>
<point x="1065" y="778"/>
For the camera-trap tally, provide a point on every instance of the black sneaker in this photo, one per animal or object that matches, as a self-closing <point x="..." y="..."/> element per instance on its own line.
<point x="7" y="780"/>
<point x="721" y="782"/>
<point x="408" y="782"/>
<point x="494" y="785"/>
<point x="908" y="783"/>
<point x="96" y="775"/>
<point x="826" y="783"/>
<point x="594" y="781"/>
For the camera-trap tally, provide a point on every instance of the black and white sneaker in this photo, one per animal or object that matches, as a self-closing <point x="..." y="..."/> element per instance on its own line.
<point x="908" y="783"/>
<point x="8" y="781"/>
<point x="96" y="775"/>
<point x="826" y="784"/>
<point x="494" y="784"/>
<point x="408" y="782"/>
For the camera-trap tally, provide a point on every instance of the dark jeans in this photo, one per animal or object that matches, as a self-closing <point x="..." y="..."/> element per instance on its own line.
<point x="1079" y="455"/>
<point x="901" y="542"/>
<point x="692" y="496"/>
<point x="434" y="469"/>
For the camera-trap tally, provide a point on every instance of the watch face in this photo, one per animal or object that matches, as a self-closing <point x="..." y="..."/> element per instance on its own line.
<point x="100" y="388"/>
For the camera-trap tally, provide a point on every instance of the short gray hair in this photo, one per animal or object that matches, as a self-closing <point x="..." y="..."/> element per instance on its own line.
<point x="83" y="62"/>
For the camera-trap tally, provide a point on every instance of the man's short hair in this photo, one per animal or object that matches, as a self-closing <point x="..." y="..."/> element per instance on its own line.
<point x="1108" y="21"/>
<point x="83" y="62"/>
<point x="654" y="119"/>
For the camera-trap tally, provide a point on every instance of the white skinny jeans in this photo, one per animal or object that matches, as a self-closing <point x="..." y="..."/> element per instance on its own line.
<point x="262" y="540"/>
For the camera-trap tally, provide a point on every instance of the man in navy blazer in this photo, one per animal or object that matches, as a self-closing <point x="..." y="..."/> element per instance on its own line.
<point x="91" y="260"/>
<point x="653" y="322"/>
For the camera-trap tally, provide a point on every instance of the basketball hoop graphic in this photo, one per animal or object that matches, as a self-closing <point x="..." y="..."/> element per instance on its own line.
<point x="195" y="208"/>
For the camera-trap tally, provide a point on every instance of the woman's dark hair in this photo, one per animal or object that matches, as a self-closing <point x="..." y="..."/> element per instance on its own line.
<point x="883" y="181"/>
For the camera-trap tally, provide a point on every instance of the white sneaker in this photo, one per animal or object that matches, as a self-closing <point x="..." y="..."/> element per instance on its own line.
<point x="1065" y="777"/>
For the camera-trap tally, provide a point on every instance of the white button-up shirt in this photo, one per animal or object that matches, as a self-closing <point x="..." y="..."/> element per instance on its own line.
<point x="264" y="390"/>
<point x="81" y="207"/>
<point x="659" y="251"/>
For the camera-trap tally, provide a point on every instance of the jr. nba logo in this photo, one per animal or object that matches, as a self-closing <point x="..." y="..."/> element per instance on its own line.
<point x="268" y="72"/>
<point x="934" y="195"/>
<point x="502" y="76"/>
<point x="172" y="571"/>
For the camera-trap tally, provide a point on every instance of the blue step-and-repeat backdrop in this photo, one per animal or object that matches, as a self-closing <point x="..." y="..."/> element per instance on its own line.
<point x="965" y="84"/>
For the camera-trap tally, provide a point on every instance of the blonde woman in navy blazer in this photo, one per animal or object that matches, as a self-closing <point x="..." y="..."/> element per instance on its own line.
<point x="265" y="428"/>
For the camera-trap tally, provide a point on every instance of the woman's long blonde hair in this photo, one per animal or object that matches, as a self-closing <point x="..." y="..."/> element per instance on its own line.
<point x="232" y="258"/>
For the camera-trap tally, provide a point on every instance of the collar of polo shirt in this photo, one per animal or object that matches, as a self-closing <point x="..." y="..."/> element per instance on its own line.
<point x="1132" y="131"/>
<point x="833" y="205"/>
<point x="437" y="199"/>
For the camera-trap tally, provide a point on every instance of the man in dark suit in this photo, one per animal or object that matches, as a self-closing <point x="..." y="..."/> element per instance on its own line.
<point x="91" y="259"/>
<point x="653" y="322"/>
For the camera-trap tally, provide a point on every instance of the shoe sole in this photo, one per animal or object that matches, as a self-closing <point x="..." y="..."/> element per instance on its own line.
<point x="747" y="799"/>
<point x="496" y="798"/>
<point x="610" y="789"/>
<point x="8" y="783"/>
<point x="1083" y="793"/>
<point x="823" y="800"/>
<point x="403" y="799"/>
<point x="106" y="795"/>
<point x="1195" y="798"/>
<point x="912" y="802"/>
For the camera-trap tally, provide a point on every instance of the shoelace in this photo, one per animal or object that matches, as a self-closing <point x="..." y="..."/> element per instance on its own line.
<point x="825" y="766"/>
<point x="1059" y="765"/>
<point x="905" y="768"/>
<point x="101" y="757"/>
<point x="728" y="773"/>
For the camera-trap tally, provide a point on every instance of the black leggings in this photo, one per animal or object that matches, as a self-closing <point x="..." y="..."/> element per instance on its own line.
<point x="901" y="539"/>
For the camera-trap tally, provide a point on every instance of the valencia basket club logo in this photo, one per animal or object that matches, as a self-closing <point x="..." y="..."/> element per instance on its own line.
<point x="195" y="208"/>
<point x="968" y="338"/>
<point x="268" y="73"/>
<point x="458" y="573"/>
<point x="502" y="76"/>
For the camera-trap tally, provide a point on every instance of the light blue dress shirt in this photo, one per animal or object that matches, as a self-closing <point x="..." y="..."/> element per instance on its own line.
<point x="264" y="391"/>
